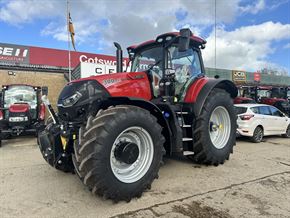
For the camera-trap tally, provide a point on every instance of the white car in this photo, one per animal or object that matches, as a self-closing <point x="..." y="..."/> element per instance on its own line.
<point x="258" y="120"/>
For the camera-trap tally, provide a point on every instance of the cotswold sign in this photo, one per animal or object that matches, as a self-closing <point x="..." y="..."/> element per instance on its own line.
<point x="37" y="56"/>
<point x="14" y="53"/>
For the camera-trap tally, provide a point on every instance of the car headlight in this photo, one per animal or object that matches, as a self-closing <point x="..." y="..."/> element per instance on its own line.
<point x="70" y="101"/>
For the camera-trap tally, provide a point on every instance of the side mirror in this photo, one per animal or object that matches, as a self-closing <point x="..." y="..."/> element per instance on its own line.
<point x="184" y="39"/>
<point x="44" y="90"/>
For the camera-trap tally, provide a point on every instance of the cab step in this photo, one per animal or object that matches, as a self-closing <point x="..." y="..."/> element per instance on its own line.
<point x="186" y="153"/>
<point x="187" y="139"/>
<point x="185" y="126"/>
<point x="181" y="112"/>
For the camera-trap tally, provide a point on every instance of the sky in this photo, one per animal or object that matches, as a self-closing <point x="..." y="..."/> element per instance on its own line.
<point x="250" y="34"/>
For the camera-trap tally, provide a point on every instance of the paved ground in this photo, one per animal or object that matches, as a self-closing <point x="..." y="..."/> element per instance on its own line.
<point x="254" y="183"/>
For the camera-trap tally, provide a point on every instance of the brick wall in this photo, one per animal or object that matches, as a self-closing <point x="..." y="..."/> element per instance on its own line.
<point x="54" y="81"/>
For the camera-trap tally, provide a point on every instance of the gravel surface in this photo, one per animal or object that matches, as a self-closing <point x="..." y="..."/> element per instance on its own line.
<point x="255" y="182"/>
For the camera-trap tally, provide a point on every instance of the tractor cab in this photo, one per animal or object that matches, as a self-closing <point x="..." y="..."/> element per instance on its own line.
<point x="273" y="95"/>
<point x="269" y="94"/>
<point x="246" y="95"/>
<point x="172" y="61"/>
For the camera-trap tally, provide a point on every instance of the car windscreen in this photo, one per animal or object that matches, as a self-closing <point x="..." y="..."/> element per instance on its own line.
<point x="20" y="94"/>
<point x="240" y="110"/>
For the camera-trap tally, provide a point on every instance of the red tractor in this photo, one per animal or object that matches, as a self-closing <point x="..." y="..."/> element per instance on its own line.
<point x="273" y="96"/>
<point x="246" y="95"/>
<point x="21" y="110"/>
<point x="114" y="129"/>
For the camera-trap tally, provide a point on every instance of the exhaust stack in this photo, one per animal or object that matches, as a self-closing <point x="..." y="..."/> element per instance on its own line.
<point x="119" y="57"/>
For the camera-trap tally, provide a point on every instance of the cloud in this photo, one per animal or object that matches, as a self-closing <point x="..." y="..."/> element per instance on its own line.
<point x="253" y="8"/>
<point x="102" y="22"/>
<point x="245" y="48"/>
<point x="19" y="12"/>
<point x="153" y="17"/>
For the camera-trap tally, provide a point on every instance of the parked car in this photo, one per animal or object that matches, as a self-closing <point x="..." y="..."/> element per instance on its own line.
<point x="259" y="120"/>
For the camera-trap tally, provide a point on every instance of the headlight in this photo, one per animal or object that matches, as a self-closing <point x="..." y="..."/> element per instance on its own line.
<point x="70" y="101"/>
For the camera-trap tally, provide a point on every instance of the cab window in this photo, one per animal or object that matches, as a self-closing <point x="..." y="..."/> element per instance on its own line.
<point x="185" y="64"/>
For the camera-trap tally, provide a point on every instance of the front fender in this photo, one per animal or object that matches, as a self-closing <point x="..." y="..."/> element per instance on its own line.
<point x="200" y="89"/>
<point x="154" y="110"/>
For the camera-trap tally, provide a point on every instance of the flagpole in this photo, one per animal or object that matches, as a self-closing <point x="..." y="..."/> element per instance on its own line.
<point x="68" y="40"/>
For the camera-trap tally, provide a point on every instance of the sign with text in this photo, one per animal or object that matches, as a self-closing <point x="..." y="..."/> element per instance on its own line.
<point x="239" y="76"/>
<point x="257" y="76"/>
<point x="14" y="53"/>
<point x="20" y="54"/>
<point x="92" y="69"/>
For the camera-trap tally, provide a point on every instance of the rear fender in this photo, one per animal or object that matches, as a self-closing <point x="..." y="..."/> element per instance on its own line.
<point x="207" y="86"/>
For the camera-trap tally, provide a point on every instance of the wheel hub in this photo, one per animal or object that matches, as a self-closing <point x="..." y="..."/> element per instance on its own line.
<point x="214" y="127"/>
<point x="126" y="152"/>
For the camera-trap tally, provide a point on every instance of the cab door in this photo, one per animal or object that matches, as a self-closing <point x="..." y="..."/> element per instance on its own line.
<point x="187" y="67"/>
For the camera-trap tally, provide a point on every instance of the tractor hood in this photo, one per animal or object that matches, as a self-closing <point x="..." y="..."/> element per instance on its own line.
<point x="127" y="84"/>
<point x="19" y="108"/>
<point x="79" y="97"/>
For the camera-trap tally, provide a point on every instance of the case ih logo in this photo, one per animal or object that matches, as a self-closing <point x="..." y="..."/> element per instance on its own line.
<point x="14" y="53"/>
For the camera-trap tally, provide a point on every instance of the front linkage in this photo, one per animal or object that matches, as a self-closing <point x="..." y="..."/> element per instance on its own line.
<point x="55" y="143"/>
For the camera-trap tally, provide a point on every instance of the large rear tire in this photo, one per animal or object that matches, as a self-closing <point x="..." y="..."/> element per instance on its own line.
<point x="119" y="152"/>
<point x="215" y="129"/>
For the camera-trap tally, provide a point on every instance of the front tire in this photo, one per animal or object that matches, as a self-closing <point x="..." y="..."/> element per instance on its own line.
<point x="119" y="152"/>
<point x="257" y="135"/>
<point x="215" y="129"/>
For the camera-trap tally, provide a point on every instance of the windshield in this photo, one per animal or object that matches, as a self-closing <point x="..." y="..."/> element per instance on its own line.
<point x="20" y="94"/>
<point x="264" y="93"/>
<point x="147" y="58"/>
<point x="288" y="93"/>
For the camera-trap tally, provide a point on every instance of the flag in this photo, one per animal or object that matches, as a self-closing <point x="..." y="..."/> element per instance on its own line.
<point x="71" y="31"/>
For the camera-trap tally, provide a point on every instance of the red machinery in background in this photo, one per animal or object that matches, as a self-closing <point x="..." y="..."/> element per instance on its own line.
<point x="21" y="110"/>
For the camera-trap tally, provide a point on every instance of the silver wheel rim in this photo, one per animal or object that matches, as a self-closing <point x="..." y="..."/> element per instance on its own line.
<point x="259" y="134"/>
<point x="129" y="173"/>
<point x="219" y="127"/>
